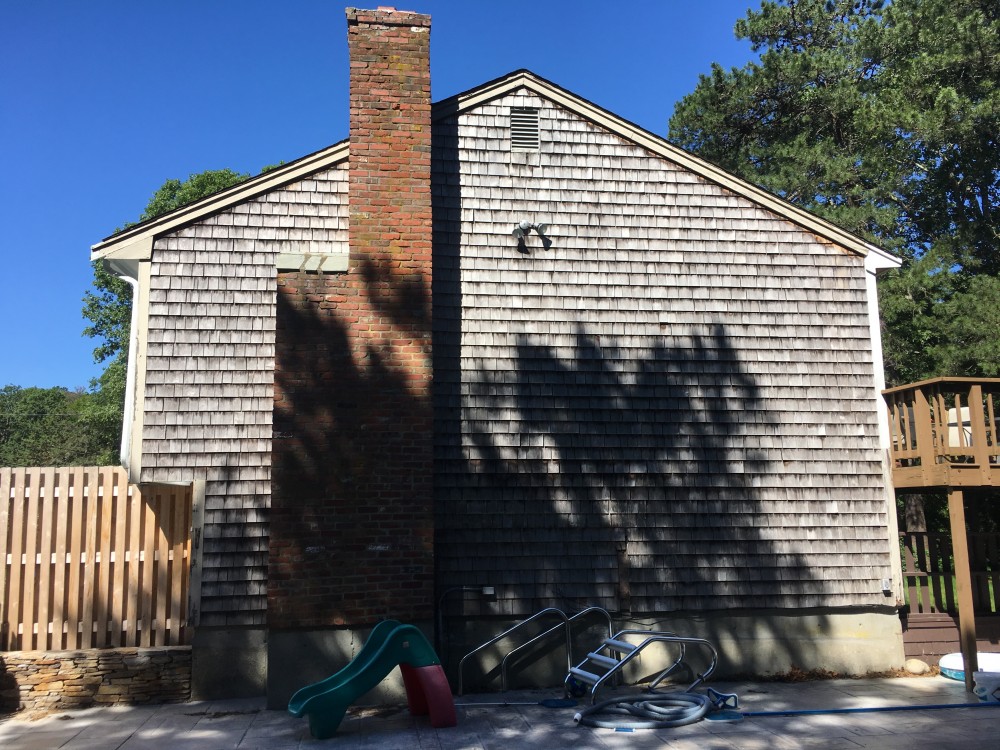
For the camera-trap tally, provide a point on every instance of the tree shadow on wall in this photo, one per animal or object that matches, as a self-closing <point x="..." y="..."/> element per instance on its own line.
<point x="635" y="481"/>
<point x="583" y="468"/>
<point x="648" y="465"/>
<point x="351" y="530"/>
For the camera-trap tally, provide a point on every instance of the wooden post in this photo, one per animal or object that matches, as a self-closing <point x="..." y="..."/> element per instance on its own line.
<point x="963" y="576"/>
<point x="925" y="433"/>
<point x="977" y="428"/>
<point x="6" y="480"/>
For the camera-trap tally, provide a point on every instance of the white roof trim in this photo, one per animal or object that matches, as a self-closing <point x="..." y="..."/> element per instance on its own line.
<point x="137" y="242"/>
<point x="880" y="260"/>
<point x="660" y="147"/>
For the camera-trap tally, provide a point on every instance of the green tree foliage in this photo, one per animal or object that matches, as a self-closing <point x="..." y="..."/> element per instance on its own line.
<point x="883" y="119"/>
<point x="174" y="194"/>
<point x="52" y="427"/>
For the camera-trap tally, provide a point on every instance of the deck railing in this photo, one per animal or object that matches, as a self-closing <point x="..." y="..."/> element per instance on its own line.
<point x="929" y="573"/>
<point x="944" y="433"/>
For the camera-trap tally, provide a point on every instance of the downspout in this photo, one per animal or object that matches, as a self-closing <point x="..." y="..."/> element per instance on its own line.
<point x="878" y="260"/>
<point x="133" y="346"/>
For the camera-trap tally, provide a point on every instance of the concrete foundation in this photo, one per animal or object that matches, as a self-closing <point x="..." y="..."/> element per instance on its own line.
<point x="751" y="643"/>
<point x="767" y="643"/>
<point x="297" y="658"/>
<point x="228" y="663"/>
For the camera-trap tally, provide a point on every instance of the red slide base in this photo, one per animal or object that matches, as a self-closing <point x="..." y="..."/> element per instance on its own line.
<point x="428" y="692"/>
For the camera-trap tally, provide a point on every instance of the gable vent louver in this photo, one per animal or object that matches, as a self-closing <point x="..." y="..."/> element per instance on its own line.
<point x="524" y="129"/>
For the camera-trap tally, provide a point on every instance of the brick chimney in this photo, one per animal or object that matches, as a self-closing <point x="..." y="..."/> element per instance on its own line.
<point x="352" y="530"/>
<point x="390" y="190"/>
<point x="389" y="195"/>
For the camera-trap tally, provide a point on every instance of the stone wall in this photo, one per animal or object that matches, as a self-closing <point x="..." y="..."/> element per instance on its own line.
<point x="44" y="681"/>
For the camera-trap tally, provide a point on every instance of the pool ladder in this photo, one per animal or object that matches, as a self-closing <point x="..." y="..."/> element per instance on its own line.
<point x="565" y="622"/>
<point x="608" y="660"/>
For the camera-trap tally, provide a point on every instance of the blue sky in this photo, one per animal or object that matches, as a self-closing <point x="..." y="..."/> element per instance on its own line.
<point x="102" y="101"/>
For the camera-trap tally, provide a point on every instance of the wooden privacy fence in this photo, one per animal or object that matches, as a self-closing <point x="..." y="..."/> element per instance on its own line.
<point x="90" y="561"/>
<point x="929" y="573"/>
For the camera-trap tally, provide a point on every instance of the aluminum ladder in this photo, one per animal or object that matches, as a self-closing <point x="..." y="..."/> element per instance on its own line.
<point x="564" y="621"/>
<point x="609" y="659"/>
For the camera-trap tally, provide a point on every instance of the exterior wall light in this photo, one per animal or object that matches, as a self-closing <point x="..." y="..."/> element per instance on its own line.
<point x="525" y="227"/>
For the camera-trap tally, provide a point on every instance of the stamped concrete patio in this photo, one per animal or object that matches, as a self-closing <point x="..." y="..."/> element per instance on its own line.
<point x="483" y="725"/>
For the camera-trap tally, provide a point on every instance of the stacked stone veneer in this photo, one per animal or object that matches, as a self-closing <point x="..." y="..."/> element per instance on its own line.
<point x="43" y="681"/>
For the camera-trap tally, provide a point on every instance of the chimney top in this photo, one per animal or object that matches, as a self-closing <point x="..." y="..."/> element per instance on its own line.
<point x="386" y="15"/>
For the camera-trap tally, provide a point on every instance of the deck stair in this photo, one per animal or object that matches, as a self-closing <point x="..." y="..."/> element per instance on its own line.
<point x="606" y="663"/>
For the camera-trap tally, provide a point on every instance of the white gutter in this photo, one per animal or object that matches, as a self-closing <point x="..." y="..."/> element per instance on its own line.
<point x="878" y="260"/>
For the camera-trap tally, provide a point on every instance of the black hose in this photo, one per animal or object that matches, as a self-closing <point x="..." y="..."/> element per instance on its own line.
<point x="662" y="711"/>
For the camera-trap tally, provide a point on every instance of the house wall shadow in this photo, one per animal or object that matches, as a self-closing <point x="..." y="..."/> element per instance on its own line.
<point x="581" y="468"/>
<point x="350" y="521"/>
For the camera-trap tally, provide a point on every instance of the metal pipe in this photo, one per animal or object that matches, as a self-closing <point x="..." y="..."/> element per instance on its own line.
<point x="439" y="630"/>
<point x="874" y="709"/>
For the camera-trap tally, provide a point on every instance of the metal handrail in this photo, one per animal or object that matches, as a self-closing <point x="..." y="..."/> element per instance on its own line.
<point x="550" y="631"/>
<point x="657" y="637"/>
<point x="548" y="611"/>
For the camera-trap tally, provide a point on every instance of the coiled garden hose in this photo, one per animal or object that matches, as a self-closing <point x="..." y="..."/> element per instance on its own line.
<point x="658" y="712"/>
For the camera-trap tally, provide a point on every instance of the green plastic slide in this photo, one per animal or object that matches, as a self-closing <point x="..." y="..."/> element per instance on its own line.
<point x="389" y="645"/>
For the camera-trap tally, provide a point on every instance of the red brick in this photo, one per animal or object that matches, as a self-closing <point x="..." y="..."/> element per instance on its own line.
<point x="352" y="502"/>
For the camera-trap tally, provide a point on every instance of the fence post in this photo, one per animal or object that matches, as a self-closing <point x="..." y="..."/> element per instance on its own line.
<point x="197" y="546"/>
<point x="925" y="441"/>
<point x="5" y="501"/>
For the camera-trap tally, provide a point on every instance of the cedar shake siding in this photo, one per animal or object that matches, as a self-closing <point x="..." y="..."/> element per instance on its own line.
<point x="668" y="404"/>
<point x="209" y="393"/>
<point x="663" y="403"/>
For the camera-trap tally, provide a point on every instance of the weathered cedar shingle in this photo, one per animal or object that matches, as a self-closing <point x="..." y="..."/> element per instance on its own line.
<point x="682" y="375"/>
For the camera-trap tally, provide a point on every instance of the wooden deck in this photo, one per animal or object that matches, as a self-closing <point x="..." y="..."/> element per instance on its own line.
<point x="930" y="636"/>
<point x="943" y="436"/>
<point x="944" y="433"/>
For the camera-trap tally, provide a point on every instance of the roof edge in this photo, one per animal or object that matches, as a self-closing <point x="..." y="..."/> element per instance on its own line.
<point x="221" y="200"/>
<point x="657" y="145"/>
<point x="144" y="233"/>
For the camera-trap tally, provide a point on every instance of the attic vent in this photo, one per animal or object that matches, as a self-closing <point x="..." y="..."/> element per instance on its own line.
<point x="523" y="129"/>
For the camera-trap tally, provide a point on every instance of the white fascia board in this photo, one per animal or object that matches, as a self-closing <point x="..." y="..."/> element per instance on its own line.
<point x="137" y="243"/>
<point x="879" y="260"/>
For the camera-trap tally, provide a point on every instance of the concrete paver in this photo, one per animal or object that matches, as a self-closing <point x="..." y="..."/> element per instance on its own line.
<point x="247" y="725"/>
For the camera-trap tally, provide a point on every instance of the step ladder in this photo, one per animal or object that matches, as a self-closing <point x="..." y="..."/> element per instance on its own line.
<point x="605" y="663"/>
